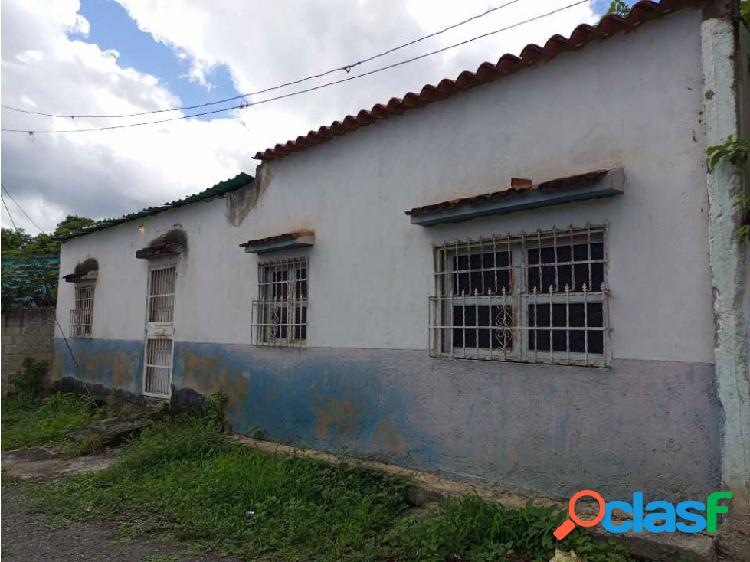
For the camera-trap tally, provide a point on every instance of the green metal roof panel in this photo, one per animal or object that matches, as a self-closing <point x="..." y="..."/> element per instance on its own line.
<point x="232" y="184"/>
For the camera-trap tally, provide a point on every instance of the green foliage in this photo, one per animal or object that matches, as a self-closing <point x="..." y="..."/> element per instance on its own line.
<point x="201" y="486"/>
<point x="14" y="241"/>
<point x="20" y="244"/>
<point x="28" y="382"/>
<point x="257" y="433"/>
<point x="31" y="264"/>
<point x="470" y="528"/>
<point x="745" y="12"/>
<point x="215" y="410"/>
<point x="29" y="281"/>
<point x="72" y="223"/>
<point x="736" y="152"/>
<point x="184" y="478"/>
<point x="619" y="8"/>
<point x="28" y="423"/>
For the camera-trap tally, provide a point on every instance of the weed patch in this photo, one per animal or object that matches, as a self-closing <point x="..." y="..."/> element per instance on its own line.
<point x="28" y="422"/>
<point x="184" y="478"/>
<point x="470" y="528"/>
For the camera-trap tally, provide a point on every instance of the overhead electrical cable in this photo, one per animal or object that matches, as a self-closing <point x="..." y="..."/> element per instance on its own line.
<point x="10" y="215"/>
<point x="345" y="68"/>
<point x="41" y="231"/>
<point x="305" y="90"/>
<point x="21" y="208"/>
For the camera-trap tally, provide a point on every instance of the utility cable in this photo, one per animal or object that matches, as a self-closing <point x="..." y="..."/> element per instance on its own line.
<point x="345" y="68"/>
<point x="21" y="209"/>
<point x="306" y="90"/>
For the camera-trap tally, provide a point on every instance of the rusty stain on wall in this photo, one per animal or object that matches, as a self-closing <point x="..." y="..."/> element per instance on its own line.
<point x="334" y="416"/>
<point x="207" y="374"/>
<point x="122" y="374"/>
<point x="390" y="439"/>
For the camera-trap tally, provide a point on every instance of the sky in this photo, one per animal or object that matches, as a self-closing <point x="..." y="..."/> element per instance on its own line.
<point x="112" y="57"/>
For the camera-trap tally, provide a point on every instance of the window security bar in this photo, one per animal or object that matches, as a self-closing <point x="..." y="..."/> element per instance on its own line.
<point x="279" y="315"/>
<point x="540" y="297"/>
<point x="82" y="316"/>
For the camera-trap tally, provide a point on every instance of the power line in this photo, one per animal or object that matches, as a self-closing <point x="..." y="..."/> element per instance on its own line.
<point x="10" y="215"/>
<point x="305" y="90"/>
<point x="62" y="333"/>
<point x="40" y="229"/>
<point x="345" y="68"/>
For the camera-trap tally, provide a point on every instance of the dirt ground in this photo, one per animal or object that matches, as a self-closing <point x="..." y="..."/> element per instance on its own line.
<point x="27" y="537"/>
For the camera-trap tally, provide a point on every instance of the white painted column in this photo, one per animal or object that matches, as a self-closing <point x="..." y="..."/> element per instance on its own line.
<point x="720" y="54"/>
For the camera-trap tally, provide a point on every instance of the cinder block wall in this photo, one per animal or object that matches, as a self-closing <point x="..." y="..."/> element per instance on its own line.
<point x="26" y="332"/>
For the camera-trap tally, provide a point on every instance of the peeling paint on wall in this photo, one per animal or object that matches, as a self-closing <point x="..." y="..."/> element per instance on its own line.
<point x="244" y="200"/>
<point x="497" y="423"/>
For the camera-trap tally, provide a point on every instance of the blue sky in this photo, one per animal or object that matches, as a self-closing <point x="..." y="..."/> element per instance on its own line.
<point x="48" y="67"/>
<point x="112" y="28"/>
<point x="601" y="6"/>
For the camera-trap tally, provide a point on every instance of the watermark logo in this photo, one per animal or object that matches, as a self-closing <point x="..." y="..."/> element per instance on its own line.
<point x="652" y="517"/>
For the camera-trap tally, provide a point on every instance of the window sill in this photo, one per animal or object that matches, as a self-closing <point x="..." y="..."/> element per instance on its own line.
<point x="595" y="361"/>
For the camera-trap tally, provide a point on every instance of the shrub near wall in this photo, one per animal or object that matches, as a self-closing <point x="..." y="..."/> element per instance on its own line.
<point x="26" y="332"/>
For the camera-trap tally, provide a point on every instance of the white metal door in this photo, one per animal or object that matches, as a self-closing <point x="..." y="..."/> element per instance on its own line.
<point x="157" y="364"/>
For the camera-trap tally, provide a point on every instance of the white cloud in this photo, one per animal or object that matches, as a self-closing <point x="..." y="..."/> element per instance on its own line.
<point x="105" y="173"/>
<point x="261" y="43"/>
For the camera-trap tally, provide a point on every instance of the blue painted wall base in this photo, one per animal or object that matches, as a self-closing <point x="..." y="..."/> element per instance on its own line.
<point x="641" y="425"/>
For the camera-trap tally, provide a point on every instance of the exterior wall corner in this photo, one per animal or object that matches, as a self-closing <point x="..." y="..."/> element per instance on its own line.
<point x="722" y="70"/>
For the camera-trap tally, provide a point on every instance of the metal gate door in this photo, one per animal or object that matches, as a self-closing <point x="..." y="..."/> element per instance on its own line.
<point x="157" y="365"/>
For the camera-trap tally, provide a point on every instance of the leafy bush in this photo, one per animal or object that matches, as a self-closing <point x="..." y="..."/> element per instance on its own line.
<point x="215" y="410"/>
<point x="736" y="151"/>
<point x="28" y="382"/>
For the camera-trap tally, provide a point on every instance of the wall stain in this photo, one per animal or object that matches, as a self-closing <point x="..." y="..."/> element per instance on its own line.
<point x="242" y="201"/>
<point x="404" y="408"/>
<point x="207" y="374"/>
<point x="388" y="438"/>
<point x="122" y="372"/>
<point x="334" y="414"/>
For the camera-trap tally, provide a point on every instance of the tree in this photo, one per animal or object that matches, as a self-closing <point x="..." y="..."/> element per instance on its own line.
<point x="31" y="264"/>
<point x="72" y="223"/>
<point x="619" y="8"/>
<point x="14" y="241"/>
<point x="19" y="243"/>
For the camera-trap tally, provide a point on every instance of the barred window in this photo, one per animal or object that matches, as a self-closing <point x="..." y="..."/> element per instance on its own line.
<point x="539" y="297"/>
<point x="280" y="312"/>
<point x="82" y="315"/>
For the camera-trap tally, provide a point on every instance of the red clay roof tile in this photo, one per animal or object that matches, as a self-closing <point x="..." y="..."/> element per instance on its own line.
<point x="531" y="54"/>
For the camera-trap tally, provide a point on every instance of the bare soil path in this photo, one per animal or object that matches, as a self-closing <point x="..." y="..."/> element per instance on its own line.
<point x="28" y="537"/>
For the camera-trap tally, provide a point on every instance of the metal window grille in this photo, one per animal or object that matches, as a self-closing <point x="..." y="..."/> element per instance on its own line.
<point x="82" y="316"/>
<point x="279" y="315"/>
<point x="158" y="366"/>
<point x="540" y="297"/>
<point x="159" y="331"/>
<point x="161" y="294"/>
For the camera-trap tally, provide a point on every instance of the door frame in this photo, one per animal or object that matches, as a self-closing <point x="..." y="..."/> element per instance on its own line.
<point x="154" y="330"/>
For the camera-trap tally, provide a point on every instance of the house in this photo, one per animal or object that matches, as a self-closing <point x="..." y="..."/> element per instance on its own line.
<point x="525" y="276"/>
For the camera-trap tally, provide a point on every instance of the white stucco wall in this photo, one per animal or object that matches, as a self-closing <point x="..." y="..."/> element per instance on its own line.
<point x="633" y="100"/>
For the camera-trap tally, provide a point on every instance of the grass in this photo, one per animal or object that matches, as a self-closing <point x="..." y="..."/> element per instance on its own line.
<point x="28" y="422"/>
<point x="184" y="478"/>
